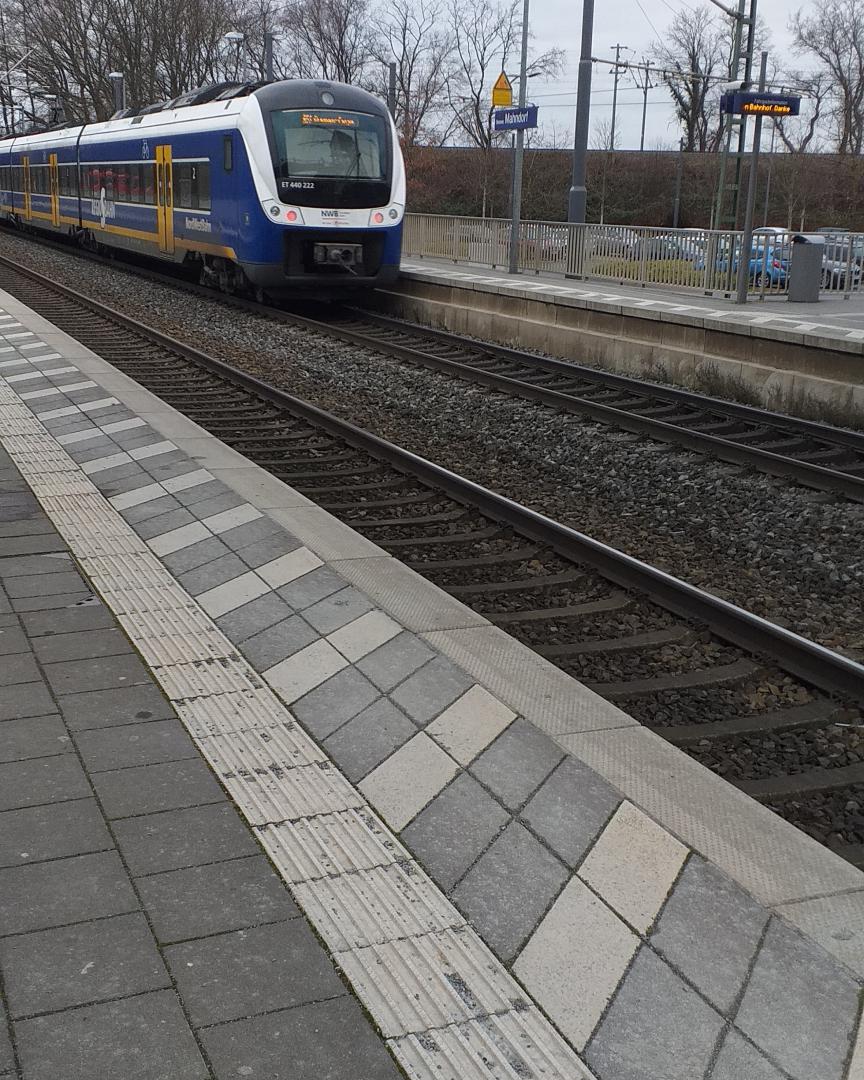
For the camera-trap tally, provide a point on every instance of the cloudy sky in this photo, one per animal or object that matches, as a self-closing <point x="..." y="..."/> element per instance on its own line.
<point x="636" y="25"/>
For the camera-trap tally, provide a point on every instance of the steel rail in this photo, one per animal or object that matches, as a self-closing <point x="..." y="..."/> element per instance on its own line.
<point x="806" y="659"/>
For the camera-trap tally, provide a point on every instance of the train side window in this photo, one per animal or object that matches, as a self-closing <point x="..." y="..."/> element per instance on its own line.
<point x="227" y="153"/>
<point x="150" y="184"/>
<point x="183" y="185"/>
<point x="135" y="194"/>
<point x="203" y="170"/>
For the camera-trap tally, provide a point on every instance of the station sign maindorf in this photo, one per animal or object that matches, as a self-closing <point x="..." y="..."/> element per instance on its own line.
<point x="515" y="118"/>
<point x="760" y="103"/>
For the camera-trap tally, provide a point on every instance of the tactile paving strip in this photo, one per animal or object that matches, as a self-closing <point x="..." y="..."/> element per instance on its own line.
<point x="445" y="1003"/>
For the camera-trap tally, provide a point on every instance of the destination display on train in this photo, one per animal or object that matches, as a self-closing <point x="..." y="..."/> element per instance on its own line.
<point x="329" y="120"/>
<point x="743" y="103"/>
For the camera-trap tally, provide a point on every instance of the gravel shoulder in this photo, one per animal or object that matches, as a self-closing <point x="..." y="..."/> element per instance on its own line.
<point x="791" y="555"/>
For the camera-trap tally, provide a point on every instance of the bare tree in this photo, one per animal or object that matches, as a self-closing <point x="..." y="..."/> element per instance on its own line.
<point x="693" y="56"/>
<point x="414" y="35"/>
<point x="601" y="135"/>
<point x="834" y="35"/>
<point x="799" y="134"/>
<point x="333" y="38"/>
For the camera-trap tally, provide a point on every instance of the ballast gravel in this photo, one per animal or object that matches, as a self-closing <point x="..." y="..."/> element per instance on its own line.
<point x="789" y="554"/>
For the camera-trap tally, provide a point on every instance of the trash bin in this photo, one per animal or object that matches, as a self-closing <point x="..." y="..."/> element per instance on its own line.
<point x="805" y="267"/>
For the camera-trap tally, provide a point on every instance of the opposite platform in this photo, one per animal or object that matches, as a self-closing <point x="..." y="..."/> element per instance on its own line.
<point x="317" y="676"/>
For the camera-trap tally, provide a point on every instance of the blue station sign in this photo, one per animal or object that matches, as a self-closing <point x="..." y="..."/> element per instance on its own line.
<point x="755" y="103"/>
<point x="515" y="118"/>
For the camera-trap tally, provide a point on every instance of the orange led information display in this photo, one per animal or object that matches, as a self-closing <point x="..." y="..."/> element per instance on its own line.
<point x="767" y="108"/>
<point x="333" y="120"/>
<point x="748" y="103"/>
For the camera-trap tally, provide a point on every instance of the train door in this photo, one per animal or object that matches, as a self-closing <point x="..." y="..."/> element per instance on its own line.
<point x="54" y="189"/>
<point x="165" y="199"/>
<point x="25" y="165"/>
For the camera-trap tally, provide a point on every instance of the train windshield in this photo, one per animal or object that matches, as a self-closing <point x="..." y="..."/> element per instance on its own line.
<point x="329" y="143"/>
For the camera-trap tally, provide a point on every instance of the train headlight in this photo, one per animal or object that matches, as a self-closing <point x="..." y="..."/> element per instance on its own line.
<point x="386" y="216"/>
<point x="274" y="210"/>
<point x="393" y="213"/>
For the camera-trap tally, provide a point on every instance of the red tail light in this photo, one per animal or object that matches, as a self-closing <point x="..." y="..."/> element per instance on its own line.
<point x="378" y="217"/>
<point x="291" y="215"/>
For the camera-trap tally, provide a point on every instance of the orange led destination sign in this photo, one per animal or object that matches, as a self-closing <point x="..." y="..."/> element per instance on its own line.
<point x="743" y="103"/>
<point x="334" y="120"/>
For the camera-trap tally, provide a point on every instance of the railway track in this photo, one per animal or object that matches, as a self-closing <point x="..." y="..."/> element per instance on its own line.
<point x="819" y="456"/>
<point x="727" y="686"/>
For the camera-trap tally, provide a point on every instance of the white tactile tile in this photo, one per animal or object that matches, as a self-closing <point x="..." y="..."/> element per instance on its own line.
<point x="232" y="712"/>
<point x="633" y="865"/>
<point x="177" y="539"/>
<point x="517" y="1045"/>
<point x="330" y="844"/>
<point x="230" y="519"/>
<point x="369" y="907"/>
<point x="402" y="785"/>
<point x="289" y="567"/>
<point x="470" y="724"/>
<point x="434" y="980"/>
<point x="205" y="677"/>
<point x="364" y="634"/>
<point x="575" y="959"/>
<point x="306" y="669"/>
<point x="232" y="594"/>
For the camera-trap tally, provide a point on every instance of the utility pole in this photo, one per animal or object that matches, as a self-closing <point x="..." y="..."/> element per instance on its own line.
<point x="617" y="71"/>
<point x="578" y="194"/>
<point x="768" y="177"/>
<point x="519" y="153"/>
<point x="269" y="39"/>
<point x="679" y="172"/>
<point x="747" y="235"/>
<point x="646" y="85"/>
<point x="391" y="88"/>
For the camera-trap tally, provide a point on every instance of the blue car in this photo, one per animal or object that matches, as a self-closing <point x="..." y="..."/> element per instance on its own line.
<point x="769" y="264"/>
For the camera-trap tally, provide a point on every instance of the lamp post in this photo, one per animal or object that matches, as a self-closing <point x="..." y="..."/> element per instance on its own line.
<point x="578" y="194"/>
<point x="237" y="39"/>
<point x="269" y="39"/>
<point x="516" y="200"/>
<point x="118" y="87"/>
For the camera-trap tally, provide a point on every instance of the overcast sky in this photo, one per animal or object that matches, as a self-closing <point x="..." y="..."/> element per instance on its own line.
<point x="558" y="23"/>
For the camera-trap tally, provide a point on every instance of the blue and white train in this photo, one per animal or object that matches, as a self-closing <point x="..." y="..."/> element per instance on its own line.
<point x="270" y="188"/>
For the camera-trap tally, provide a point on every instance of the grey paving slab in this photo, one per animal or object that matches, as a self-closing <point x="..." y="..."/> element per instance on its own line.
<point x="739" y="1060"/>
<point x="100" y="446"/>
<point x="215" y="504"/>
<point x="81" y="964"/>
<point x="37" y="833"/>
<point x="243" y="535"/>
<point x="235" y="975"/>
<point x="656" y="1027"/>
<point x="174" y="463"/>
<point x="163" y="523"/>
<point x="268" y="549"/>
<point x="136" y="515"/>
<point x="135" y="744"/>
<point x="570" y="809"/>
<point x="32" y="542"/>
<point x="710" y="930"/>
<point x="200" y="493"/>
<point x="24" y="565"/>
<point x="289" y="1044"/>
<point x="64" y="891"/>
<point x="277" y="642"/>
<point x="25" y="699"/>
<point x="53" y="602"/>
<point x="121" y="705"/>
<point x="19" y="668"/>
<point x="112" y="481"/>
<point x="102" y="673"/>
<point x="338" y="609"/>
<point x="148" y="789"/>
<point x="138" y="1038"/>
<point x="33" y="737"/>
<point x="454" y="829"/>
<point x="215" y="899"/>
<point x="799" y="1006"/>
<point x="178" y="838"/>
<point x="486" y="894"/>
<point x="364" y="742"/>
<point x="81" y="645"/>
<point x="311" y="587"/>
<point x="517" y="763"/>
<point x="36" y="525"/>
<point x="7" y="1055"/>
<point x="335" y="701"/>
<point x="196" y="555"/>
<point x="211" y="574"/>
<point x="250" y="619"/>
<point x="70" y="620"/>
<point x="42" y="780"/>
<point x="394" y="661"/>
<point x="435" y="686"/>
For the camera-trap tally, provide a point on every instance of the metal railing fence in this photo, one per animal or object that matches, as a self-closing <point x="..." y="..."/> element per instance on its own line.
<point x="700" y="260"/>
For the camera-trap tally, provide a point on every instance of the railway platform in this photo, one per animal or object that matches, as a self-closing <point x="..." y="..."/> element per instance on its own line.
<point x="272" y="805"/>
<point x="805" y="359"/>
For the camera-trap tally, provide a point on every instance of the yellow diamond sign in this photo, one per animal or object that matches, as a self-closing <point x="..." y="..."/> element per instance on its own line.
<point x="502" y="91"/>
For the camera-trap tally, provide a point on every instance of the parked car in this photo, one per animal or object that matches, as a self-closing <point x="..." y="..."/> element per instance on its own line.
<point x="768" y="265"/>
